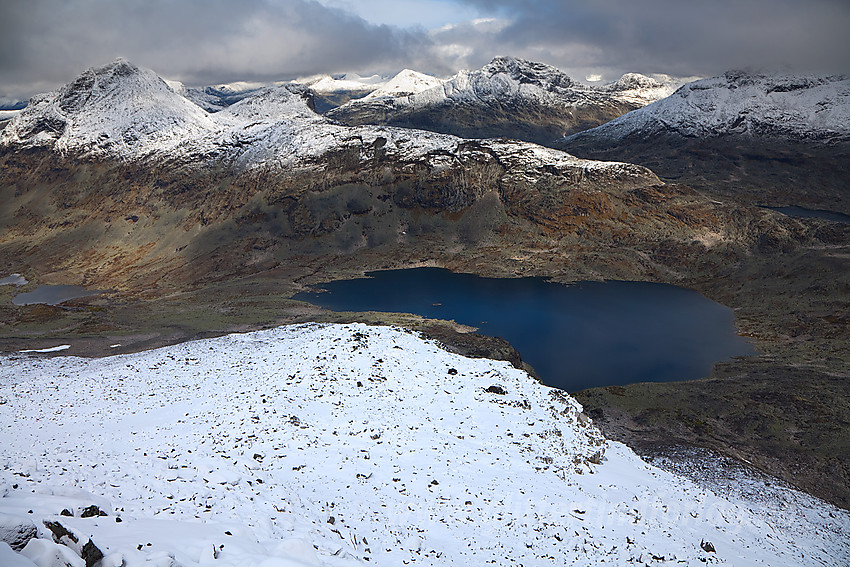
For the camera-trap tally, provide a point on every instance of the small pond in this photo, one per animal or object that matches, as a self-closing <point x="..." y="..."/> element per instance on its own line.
<point x="14" y="279"/>
<point x="52" y="294"/>
<point x="576" y="337"/>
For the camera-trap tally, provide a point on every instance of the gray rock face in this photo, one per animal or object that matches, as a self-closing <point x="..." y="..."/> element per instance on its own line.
<point x="16" y="531"/>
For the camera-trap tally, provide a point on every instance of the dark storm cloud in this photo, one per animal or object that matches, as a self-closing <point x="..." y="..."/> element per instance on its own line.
<point x="47" y="42"/>
<point x="676" y="36"/>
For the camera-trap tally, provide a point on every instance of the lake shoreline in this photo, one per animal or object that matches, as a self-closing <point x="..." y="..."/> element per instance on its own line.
<point x="796" y="313"/>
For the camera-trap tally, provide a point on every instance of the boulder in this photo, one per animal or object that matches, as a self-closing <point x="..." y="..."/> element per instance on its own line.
<point x="17" y="531"/>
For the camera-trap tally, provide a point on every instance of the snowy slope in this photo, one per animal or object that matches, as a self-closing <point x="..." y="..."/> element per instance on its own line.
<point x="756" y="105"/>
<point x="405" y="83"/>
<point x="124" y="112"/>
<point x="117" y="108"/>
<point x="328" y="84"/>
<point x="338" y="445"/>
<point x="216" y="97"/>
<point x="508" y="97"/>
<point x="288" y="102"/>
<point x="643" y="90"/>
<point x="9" y="114"/>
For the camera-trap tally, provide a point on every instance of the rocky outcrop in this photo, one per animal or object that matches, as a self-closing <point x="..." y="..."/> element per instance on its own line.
<point x="16" y="531"/>
<point x="88" y="551"/>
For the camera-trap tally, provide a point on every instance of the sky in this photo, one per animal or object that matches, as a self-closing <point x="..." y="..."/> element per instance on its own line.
<point x="46" y="43"/>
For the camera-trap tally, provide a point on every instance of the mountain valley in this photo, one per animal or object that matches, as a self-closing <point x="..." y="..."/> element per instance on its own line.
<point x="204" y="215"/>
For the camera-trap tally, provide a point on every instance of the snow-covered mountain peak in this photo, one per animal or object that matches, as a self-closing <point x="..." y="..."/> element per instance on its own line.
<point x="105" y="109"/>
<point x="274" y="103"/>
<point x="373" y="79"/>
<point x="525" y="71"/>
<point x="116" y="80"/>
<point x="213" y="98"/>
<point x="328" y="84"/>
<point x="769" y="83"/>
<point x="405" y="83"/>
<point x="743" y="103"/>
<point x="631" y="81"/>
<point x="504" y="80"/>
<point x="641" y="89"/>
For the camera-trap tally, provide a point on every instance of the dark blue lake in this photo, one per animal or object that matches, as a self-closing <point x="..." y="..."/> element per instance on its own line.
<point x="794" y="211"/>
<point x="576" y="337"/>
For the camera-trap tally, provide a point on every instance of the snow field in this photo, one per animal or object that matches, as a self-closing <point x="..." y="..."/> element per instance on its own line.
<point x="803" y="107"/>
<point x="349" y="444"/>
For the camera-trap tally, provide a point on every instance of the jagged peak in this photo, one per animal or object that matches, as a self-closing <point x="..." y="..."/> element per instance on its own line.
<point x="776" y="81"/>
<point x="114" y="79"/>
<point x="526" y="71"/>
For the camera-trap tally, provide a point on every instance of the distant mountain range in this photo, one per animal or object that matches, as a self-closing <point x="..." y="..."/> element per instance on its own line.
<point x="775" y="139"/>
<point x="739" y="104"/>
<point x="278" y="179"/>
<point x="508" y="98"/>
<point x="122" y="111"/>
<point x="746" y="134"/>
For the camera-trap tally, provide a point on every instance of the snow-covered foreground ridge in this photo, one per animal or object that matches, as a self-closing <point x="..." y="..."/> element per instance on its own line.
<point x="345" y="445"/>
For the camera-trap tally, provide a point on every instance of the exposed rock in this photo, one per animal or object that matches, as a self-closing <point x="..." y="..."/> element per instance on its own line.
<point x="91" y="554"/>
<point x="92" y="511"/>
<point x="59" y="531"/>
<point x="16" y="531"/>
<point x="88" y="551"/>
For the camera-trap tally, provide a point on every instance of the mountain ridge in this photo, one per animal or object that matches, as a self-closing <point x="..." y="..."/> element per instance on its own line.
<point x="279" y="179"/>
<point x="808" y="107"/>
<point x="508" y="97"/>
<point x="774" y="139"/>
